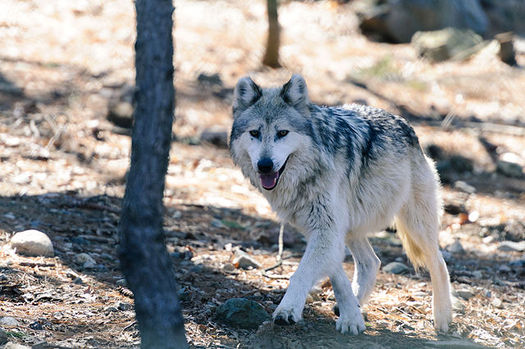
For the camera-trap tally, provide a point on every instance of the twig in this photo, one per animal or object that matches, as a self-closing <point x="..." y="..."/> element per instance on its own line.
<point x="35" y="264"/>
<point x="278" y="264"/>
<point x="281" y="243"/>
<point x="275" y="276"/>
<point x="128" y="326"/>
<point x="279" y="258"/>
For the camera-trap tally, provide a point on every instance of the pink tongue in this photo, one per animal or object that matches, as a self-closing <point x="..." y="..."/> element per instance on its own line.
<point x="269" y="181"/>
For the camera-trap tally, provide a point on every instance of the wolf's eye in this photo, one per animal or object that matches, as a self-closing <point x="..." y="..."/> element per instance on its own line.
<point x="282" y="133"/>
<point x="254" y="133"/>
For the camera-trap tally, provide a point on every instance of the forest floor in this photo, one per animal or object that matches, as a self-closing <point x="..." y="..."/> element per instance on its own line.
<point x="63" y="164"/>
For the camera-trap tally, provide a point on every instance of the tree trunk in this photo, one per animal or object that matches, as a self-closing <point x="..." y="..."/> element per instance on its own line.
<point x="143" y="256"/>
<point x="271" y="57"/>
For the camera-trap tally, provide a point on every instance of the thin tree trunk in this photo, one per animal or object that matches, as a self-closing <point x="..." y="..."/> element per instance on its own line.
<point x="271" y="57"/>
<point x="143" y="256"/>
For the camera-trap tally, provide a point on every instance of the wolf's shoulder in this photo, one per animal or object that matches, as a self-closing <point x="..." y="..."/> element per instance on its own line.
<point x="376" y="120"/>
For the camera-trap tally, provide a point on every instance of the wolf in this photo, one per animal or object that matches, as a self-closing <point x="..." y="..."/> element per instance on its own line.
<point x="338" y="173"/>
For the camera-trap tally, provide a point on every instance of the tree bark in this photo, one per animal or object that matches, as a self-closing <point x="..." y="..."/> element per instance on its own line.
<point x="271" y="57"/>
<point x="143" y="256"/>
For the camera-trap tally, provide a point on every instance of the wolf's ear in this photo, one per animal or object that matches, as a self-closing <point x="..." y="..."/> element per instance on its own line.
<point x="294" y="92"/>
<point x="246" y="93"/>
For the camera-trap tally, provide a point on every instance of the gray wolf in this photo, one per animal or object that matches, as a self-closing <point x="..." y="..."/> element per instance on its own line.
<point x="338" y="173"/>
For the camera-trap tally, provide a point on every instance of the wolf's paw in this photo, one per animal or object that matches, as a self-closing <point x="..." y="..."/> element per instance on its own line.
<point x="442" y="321"/>
<point x="283" y="317"/>
<point x="351" y="323"/>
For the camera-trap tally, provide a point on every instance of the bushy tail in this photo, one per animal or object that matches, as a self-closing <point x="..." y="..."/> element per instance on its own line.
<point x="418" y="221"/>
<point x="412" y="249"/>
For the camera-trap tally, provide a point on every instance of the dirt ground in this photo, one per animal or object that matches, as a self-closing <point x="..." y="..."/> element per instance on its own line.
<point x="63" y="166"/>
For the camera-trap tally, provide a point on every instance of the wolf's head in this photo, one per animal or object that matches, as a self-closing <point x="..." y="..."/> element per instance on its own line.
<point x="270" y="127"/>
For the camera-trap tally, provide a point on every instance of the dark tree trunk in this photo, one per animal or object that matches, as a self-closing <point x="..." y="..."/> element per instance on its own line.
<point x="271" y="57"/>
<point x="143" y="256"/>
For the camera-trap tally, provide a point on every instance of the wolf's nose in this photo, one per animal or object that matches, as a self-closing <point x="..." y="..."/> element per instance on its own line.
<point x="265" y="165"/>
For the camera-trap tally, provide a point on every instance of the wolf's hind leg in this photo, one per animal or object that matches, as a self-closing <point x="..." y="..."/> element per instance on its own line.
<point x="350" y="318"/>
<point x="366" y="266"/>
<point x="417" y="226"/>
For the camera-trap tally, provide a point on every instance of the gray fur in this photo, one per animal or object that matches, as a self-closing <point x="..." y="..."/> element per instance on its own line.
<point x="340" y="173"/>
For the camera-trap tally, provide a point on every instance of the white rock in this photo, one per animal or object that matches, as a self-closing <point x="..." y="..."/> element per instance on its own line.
<point x="395" y="268"/>
<point x="464" y="294"/>
<point x="32" y="243"/>
<point x="510" y="165"/>
<point x="12" y="345"/>
<point x="84" y="259"/>
<point x="511" y="246"/>
<point x="8" y="321"/>
<point x="245" y="261"/>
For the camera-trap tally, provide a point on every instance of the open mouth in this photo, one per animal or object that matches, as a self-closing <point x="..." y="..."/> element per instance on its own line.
<point x="269" y="181"/>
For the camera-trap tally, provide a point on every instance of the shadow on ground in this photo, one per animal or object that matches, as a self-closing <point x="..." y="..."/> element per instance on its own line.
<point x="89" y="225"/>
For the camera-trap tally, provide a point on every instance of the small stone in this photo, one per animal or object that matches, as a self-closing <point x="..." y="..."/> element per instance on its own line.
<point x="242" y="312"/>
<point x="9" y="321"/>
<point x="473" y="216"/>
<point x="396" y="268"/>
<point x="457" y="305"/>
<point x="244" y="261"/>
<point x="78" y="281"/>
<point x="509" y="164"/>
<point x="464" y="294"/>
<point x="488" y="294"/>
<point x="84" y="258"/>
<point x="111" y="309"/>
<point x="488" y="239"/>
<point x="123" y="306"/>
<point x="228" y="267"/>
<point x="464" y="187"/>
<point x="511" y="246"/>
<point x="447" y="256"/>
<point x="496" y="302"/>
<point x="477" y="274"/>
<point x="32" y="243"/>
<point x="37" y="326"/>
<point x="448" y="43"/>
<point x="456" y="248"/>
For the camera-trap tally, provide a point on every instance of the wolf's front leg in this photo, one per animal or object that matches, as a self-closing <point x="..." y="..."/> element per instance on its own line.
<point x="350" y="318"/>
<point x="324" y="252"/>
